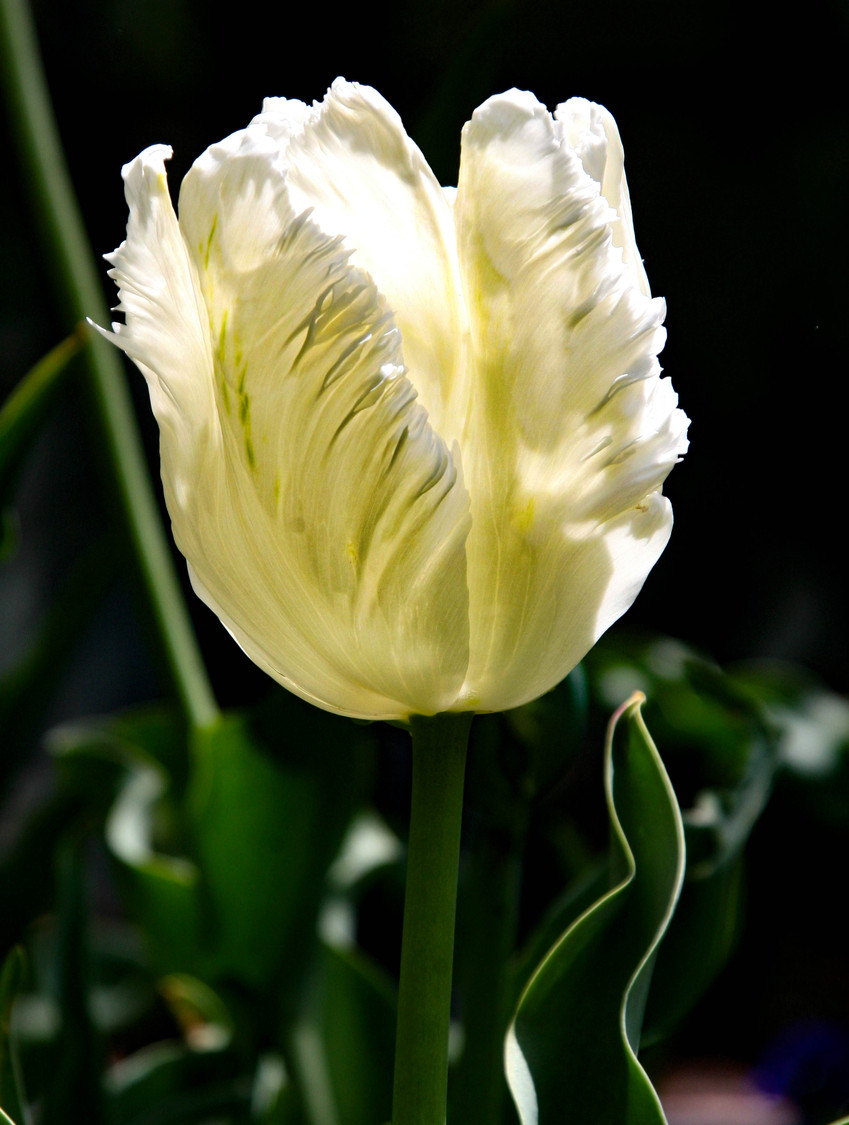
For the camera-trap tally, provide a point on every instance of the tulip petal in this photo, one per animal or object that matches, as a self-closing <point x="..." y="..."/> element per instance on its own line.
<point x="328" y="526"/>
<point x="591" y="132"/>
<point x="166" y="331"/>
<point x="351" y="161"/>
<point x="570" y="429"/>
<point x="234" y="208"/>
<point x="349" y="503"/>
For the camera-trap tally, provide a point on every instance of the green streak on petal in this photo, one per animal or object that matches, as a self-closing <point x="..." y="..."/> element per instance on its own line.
<point x="209" y="244"/>
<point x="220" y="362"/>
<point x="221" y="350"/>
<point x="245" y="419"/>
<point x="523" y="519"/>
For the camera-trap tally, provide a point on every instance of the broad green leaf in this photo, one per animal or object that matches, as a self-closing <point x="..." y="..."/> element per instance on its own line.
<point x="221" y="857"/>
<point x="568" y="907"/>
<point x="342" y="1047"/>
<point x="343" y="1042"/>
<point x="5" y="1119"/>
<point x="161" y="890"/>
<point x="263" y="835"/>
<point x="697" y="944"/>
<point x="11" y="1082"/>
<point x="706" y="924"/>
<point x="571" y="1049"/>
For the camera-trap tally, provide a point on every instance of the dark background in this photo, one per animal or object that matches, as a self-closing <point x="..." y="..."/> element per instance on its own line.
<point x="735" y="125"/>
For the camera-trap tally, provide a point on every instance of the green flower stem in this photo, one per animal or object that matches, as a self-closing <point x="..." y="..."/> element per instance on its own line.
<point x="427" y="950"/>
<point x="78" y="288"/>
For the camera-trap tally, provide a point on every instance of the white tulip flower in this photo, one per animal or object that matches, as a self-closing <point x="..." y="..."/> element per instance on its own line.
<point x="413" y="439"/>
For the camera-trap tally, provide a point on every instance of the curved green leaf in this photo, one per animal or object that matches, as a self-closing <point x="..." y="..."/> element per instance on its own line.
<point x="35" y="666"/>
<point x="720" y="744"/>
<point x="263" y="834"/>
<point x="571" y="1049"/>
<point x="26" y="407"/>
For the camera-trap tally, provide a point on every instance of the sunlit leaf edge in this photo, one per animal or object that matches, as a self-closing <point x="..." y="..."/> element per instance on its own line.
<point x="518" y="1072"/>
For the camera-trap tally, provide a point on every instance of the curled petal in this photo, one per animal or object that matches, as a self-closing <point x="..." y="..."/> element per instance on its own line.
<point x="166" y="330"/>
<point x="234" y="207"/>
<point x="591" y="132"/>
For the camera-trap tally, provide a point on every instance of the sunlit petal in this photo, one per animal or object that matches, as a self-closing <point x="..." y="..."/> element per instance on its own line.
<point x="591" y="131"/>
<point x="355" y="581"/>
<point x="342" y="575"/>
<point x="354" y="165"/>
<point x="570" y="429"/>
<point x="166" y="329"/>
